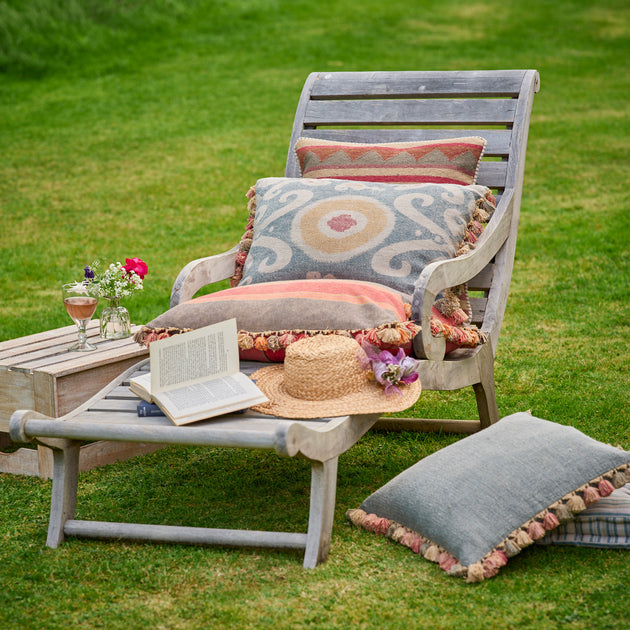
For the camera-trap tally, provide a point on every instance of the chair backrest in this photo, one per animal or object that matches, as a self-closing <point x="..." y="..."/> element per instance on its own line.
<point x="411" y="106"/>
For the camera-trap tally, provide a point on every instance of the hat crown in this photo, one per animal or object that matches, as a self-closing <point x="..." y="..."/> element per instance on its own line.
<point x="323" y="367"/>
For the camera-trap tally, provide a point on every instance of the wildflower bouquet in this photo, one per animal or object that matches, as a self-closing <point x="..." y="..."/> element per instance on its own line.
<point x="116" y="281"/>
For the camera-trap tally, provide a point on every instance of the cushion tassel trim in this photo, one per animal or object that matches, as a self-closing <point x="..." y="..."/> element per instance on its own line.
<point x="246" y="239"/>
<point x="146" y="335"/>
<point x="484" y="208"/>
<point x="396" y="334"/>
<point x="384" y="337"/>
<point x="527" y="534"/>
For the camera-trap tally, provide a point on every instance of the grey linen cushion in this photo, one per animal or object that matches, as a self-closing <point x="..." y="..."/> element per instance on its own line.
<point x="479" y="501"/>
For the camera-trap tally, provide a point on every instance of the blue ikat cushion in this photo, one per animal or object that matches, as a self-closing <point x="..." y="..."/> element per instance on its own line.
<point x="371" y="231"/>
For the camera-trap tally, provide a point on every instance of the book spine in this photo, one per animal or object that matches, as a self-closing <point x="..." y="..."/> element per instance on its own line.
<point x="146" y="409"/>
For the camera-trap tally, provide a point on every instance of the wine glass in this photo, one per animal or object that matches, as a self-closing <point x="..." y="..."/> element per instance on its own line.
<point x="80" y="306"/>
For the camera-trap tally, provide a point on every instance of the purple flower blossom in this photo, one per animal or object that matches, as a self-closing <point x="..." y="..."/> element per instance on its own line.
<point x="390" y="370"/>
<point x="89" y="274"/>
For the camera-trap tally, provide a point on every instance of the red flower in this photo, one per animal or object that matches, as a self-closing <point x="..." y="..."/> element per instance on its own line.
<point x="136" y="265"/>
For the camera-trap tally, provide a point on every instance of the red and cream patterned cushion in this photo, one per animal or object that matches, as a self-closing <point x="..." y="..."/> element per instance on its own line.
<point x="448" y="161"/>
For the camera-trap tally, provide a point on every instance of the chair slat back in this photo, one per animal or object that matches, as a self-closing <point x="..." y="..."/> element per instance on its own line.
<point x="377" y="107"/>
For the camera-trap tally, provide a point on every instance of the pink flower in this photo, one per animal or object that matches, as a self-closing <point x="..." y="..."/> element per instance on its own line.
<point x="136" y="265"/>
<point x="390" y="370"/>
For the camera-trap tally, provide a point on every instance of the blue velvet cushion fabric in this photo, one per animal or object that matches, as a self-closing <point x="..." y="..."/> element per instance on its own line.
<point x="377" y="232"/>
<point x="482" y="499"/>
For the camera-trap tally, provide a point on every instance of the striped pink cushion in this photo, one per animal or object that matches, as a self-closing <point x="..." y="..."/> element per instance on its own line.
<point x="272" y="315"/>
<point x="450" y="161"/>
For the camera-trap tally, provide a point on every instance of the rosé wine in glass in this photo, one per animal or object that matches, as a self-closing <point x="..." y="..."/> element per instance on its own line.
<point x="80" y="306"/>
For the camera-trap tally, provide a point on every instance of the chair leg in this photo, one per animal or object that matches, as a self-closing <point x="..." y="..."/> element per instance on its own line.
<point x="5" y="440"/>
<point x="64" y="491"/>
<point x="486" y="399"/>
<point x="322" y="511"/>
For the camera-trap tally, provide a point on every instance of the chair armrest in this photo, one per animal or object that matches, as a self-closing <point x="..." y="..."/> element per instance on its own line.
<point x="443" y="274"/>
<point x="201" y="272"/>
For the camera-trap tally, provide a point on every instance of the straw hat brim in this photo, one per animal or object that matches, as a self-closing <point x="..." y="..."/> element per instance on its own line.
<point x="369" y="399"/>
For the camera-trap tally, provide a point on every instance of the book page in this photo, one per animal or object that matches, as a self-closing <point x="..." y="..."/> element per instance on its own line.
<point x="209" y="395"/>
<point x="195" y="356"/>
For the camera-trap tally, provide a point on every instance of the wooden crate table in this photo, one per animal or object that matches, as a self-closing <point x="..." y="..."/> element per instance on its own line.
<point x="37" y="372"/>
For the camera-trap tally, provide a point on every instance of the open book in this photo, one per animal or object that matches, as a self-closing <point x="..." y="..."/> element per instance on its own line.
<point x="196" y="375"/>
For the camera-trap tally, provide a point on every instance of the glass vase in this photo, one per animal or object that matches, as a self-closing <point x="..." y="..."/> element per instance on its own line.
<point x="115" y="322"/>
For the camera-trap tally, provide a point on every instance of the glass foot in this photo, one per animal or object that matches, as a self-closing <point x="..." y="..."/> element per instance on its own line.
<point x="81" y="347"/>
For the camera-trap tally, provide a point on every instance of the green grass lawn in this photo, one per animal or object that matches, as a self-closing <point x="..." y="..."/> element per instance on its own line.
<point x="135" y="129"/>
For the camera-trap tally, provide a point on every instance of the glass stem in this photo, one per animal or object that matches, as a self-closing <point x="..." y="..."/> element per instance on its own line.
<point x="82" y="333"/>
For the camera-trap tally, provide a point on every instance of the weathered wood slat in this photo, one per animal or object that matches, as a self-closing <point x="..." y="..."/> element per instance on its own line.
<point x="429" y="84"/>
<point x="411" y="112"/>
<point x="61" y="338"/>
<point x="50" y="352"/>
<point x="185" y="535"/>
<point x="498" y="139"/>
<point x="492" y="174"/>
<point x="70" y="362"/>
<point x="123" y="393"/>
<point x="483" y="280"/>
<point x="427" y="424"/>
<point x="114" y="405"/>
<point x="478" y="307"/>
<point x="111" y="415"/>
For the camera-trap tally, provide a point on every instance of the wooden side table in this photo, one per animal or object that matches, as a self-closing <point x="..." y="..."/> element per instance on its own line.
<point x="37" y="372"/>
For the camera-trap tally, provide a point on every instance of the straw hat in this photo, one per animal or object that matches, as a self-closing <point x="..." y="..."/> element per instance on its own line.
<point x="322" y="377"/>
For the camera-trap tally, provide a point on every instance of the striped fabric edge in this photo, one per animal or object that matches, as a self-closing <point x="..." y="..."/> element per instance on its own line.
<point x="443" y="175"/>
<point x="606" y="524"/>
<point x="350" y="291"/>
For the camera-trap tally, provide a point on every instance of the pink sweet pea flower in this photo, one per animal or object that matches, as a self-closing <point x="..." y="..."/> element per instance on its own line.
<point x="136" y="265"/>
<point x="390" y="370"/>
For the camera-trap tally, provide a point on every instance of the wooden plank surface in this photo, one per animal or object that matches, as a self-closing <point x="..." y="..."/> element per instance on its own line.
<point x="57" y="361"/>
<point x="48" y="351"/>
<point x="427" y="83"/>
<point x="39" y="338"/>
<point x="53" y="341"/>
<point x="411" y="112"/>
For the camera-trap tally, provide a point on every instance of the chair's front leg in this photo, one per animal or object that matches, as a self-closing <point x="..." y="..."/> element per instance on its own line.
<point x="64" y="491"/>
<point x="484" y="390"/>
<point x="322" y="511"/>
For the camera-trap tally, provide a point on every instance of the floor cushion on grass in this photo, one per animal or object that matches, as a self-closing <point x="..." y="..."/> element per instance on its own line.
<point x="445" y="161"/>
<point x="476" y="503"/>
<point x="605" y="524"/>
